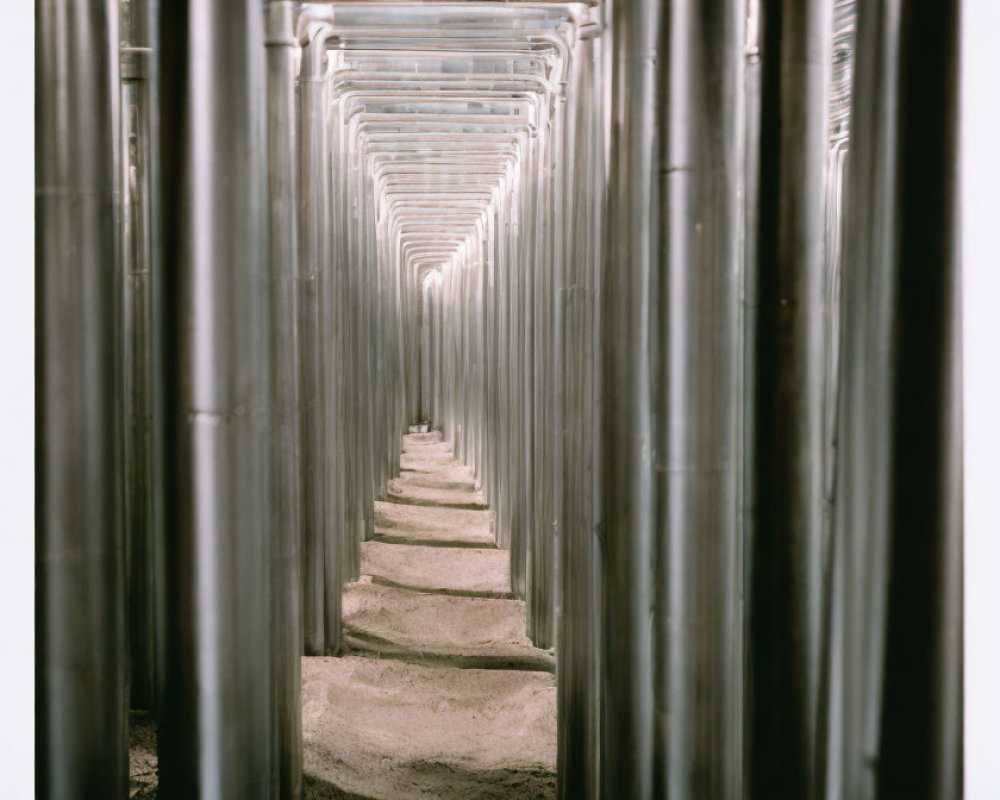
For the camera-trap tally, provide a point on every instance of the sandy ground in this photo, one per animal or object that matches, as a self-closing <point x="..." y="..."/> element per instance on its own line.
<point x="439" y="693"/>
<point x="442" y="695"/>
<point x="440" y="629"/>
<point x="445" y="527"/>
<point x="141" y="755"/>
<point x="472" y="572"/>
<point x="389" y="729"/>
<point x="402" y="490"/>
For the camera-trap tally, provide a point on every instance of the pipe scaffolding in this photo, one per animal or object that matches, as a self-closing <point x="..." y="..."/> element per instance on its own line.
<point x="676" y="282"/>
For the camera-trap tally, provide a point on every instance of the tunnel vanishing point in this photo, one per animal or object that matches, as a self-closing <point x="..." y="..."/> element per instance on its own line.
<point x="676" y="281"/>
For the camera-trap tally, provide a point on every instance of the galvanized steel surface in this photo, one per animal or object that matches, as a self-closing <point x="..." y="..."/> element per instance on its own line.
<point x="141" y="517"/>
<point x="627" y="470"/>
<point x="80" y="651"/>
<point x="895" y="663"/>
<point x="284" y="527"/>
<point x="786" y="489"/>
<point x="215" y="727"/>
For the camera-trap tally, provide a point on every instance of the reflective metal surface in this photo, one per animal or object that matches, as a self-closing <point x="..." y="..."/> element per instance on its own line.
<point x="627" y="471"/>
<point x="895" y="688"/>
<point x="699" y="648"/>
<point x="80" y="642"/>
<point x="284" y="530"/>
<point x="786" y="487"/>
<point x="215" y="733"/>
<point x="137" y="54"/>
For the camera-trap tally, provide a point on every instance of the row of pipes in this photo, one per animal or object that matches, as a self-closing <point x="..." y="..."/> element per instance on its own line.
<point x="678" y="280"/>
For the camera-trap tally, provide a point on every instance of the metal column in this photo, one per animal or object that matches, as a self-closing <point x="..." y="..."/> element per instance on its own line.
<point x="312" y="371"/>
<point x="627" y="469"/>
<point x="579" y="623"/>
<point x="895" y="701"/>
<point x="286" y="580"/>
<point x="698" y="599"/>
<point x="786" y="483"/>
<point x="80" y="641"/>
<point x="215" y="737"/>
<point x="141" y="517"/>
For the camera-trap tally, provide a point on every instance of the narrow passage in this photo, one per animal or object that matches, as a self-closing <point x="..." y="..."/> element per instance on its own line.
<point x="439" y="693"/>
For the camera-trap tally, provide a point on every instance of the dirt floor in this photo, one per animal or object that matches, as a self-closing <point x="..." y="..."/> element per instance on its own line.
<point x="439" y="693"/>
<point x="442" y="695"/>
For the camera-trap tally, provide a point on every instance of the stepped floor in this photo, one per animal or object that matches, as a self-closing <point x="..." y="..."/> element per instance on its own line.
<point x="440" y="694"/>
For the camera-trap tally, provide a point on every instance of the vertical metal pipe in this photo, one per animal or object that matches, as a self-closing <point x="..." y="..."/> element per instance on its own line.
<point x="333" y="446"/>
<point x="436" y="340"/>
<point x="895" y="701"/>
<point x="80" y="641"/>
<point x="425" y="348"/>
<point x="365" y="408"/>
<point x="137" y="55"/>
<point x="541" y="609"/>
<point x="215" y="735"/>
<point x="286" y="584"/>
<point x="520" y="519"/>
<point x="698" y="609"/>
<point x="310" y="370"/>
<point x="921" y="728"/>
<point x="841" y="84"/>
<point x="751" y="195"/>
<point x="865" y="419"/>
<point x="787" y="491"/>
<point x="545" y="576"/>
<point x="579" y="618"/>
<point x="160" y="324"/>
<point x="921" y="750"/>
<point x="349" y="331"/>
<point x="627" y="468"/>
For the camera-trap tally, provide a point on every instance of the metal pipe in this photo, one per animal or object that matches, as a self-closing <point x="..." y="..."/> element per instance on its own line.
<point x="81" y="700"/>
<point x="215" y="733"/>
<point x="137" y="99"/>
<point x="542" y="597"/>
<point x="579" y="622"/>
<point x="898" y="464"/>
<point x="787" y="478"/>
<point x="627" y="468"/>
<point x="338" y="513"/>
<point x="311" y="370"/>
<point x="697" y="606"/>
<point x="285" y="542"/>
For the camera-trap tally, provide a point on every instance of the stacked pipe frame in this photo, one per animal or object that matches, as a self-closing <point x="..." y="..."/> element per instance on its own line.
<point x="444" y="124"/>
<point x="679" y="284"/>
<point x="468" y="153"/>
